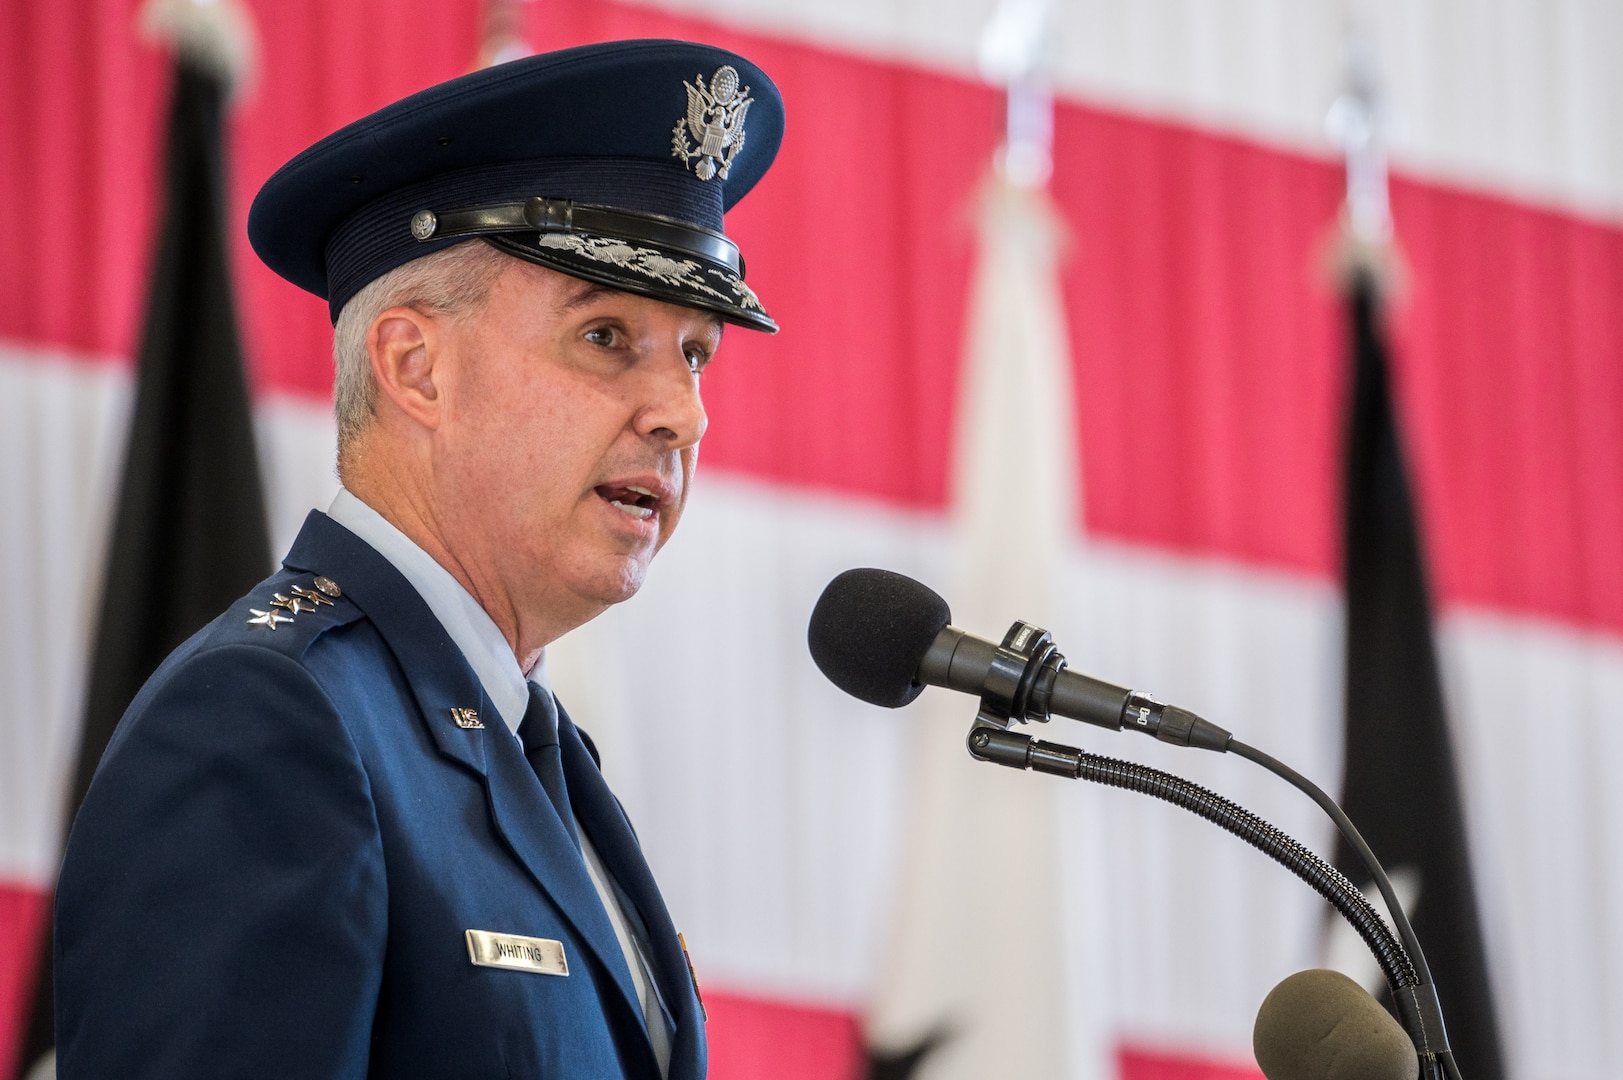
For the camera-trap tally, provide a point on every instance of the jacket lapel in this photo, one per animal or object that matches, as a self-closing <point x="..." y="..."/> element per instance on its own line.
<point x="439" y="678"/>
<point x="605" y="823"/>
<point x="440" y="681"/>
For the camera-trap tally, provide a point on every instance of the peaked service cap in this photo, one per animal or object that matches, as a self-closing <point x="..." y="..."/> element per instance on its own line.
<point x="612" y="163"/>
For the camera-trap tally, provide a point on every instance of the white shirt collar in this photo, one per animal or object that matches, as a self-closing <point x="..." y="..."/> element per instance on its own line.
<point x="470" y="626"/>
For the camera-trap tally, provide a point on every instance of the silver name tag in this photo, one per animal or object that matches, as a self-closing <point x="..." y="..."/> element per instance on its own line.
<point x="540" y="955"/>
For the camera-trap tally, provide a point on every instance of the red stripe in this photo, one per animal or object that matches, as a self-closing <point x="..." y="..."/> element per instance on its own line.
<point x="1511" y="358"/>
<point x="756" y="1039"/>
<point x="1206" y="353"/>
<point x="1150" y="1063"/>
<point x="22" y="916"/>
<point x="1208" y="361"/>
<point x="79" y="104"/>
<point x="753" y="1038"/>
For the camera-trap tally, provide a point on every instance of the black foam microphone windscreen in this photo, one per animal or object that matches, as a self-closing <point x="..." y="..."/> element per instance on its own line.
<point x="869" y="631"/>
<point x="1320" y="1025"/>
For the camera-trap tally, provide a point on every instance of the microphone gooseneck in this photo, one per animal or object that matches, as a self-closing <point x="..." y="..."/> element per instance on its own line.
<point x="1320" y="1025"/>
<point x="1019" y="751"/>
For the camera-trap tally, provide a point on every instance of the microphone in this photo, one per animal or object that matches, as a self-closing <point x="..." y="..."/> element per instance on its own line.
<point x="882" y="637"/>
<point x="1320" y="1025"/>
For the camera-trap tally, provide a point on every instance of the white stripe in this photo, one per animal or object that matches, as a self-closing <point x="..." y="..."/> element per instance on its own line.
<point x="1537" y="735"/>
<point x="298" y="456"/>
<point x="1199" y="926"/>
<point x="62" y="446"/>
<point x="1516" y="95"/>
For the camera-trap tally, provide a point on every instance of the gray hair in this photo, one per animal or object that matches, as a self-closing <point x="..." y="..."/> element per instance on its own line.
<point x="455" y="282"/>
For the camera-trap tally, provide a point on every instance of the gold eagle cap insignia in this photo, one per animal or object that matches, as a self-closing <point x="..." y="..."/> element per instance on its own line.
<point x="712" y="133"/>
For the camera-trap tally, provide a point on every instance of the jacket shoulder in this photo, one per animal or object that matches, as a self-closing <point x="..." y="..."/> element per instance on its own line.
<point x="285" y="613"/>
<point x="276" y="622"/>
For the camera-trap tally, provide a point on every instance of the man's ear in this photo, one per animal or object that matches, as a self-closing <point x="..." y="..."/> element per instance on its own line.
<point x="403" y="346"/>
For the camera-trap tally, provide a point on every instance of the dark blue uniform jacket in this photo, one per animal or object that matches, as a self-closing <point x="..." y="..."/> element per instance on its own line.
<point x="288" y="837"/>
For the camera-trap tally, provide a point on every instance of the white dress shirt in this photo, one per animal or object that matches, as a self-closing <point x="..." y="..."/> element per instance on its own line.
<point x="488" y="653"/>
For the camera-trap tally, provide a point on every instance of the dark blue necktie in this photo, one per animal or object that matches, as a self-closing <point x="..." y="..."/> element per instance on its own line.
<point x="539" y="734"/>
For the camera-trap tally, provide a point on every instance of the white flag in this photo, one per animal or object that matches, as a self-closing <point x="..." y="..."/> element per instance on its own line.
<point x="974" y="951"/>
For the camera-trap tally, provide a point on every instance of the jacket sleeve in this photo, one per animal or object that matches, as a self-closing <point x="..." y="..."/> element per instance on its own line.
<point x="222" y="907"/>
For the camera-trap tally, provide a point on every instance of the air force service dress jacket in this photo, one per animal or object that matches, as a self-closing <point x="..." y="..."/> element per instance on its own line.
<point x="277" y="864"/>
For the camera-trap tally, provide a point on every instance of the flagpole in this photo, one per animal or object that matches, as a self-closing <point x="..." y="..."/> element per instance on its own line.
<point x="1012" y="55"/>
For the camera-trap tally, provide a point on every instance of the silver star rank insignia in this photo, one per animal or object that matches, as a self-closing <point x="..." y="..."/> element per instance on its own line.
<point x="310" y="596"/>
<point x="293" y="604"/>
<point x="268" y="618"/>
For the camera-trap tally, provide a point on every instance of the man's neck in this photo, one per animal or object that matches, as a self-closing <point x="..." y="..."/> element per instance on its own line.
<point x="410" y="509"/>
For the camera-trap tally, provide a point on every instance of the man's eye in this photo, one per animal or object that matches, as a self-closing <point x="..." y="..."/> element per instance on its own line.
<point x="601" y="335"/>
<point x="697" y="359"/>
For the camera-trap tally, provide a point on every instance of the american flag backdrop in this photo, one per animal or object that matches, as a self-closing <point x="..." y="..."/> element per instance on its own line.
<point x="1208" y="380"/>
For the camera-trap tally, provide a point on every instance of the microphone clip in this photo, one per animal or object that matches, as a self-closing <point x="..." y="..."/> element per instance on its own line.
<point x="1017" y="751"/>
<point x="1020" y="679"/>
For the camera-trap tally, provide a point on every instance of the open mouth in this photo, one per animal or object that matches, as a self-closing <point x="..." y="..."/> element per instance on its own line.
<point x="637" y="502"/>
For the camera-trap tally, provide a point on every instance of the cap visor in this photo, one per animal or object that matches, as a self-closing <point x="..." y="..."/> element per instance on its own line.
<point x="644" y="269"/>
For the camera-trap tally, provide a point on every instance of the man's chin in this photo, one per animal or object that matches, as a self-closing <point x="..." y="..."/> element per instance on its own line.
<point x="617" y="582"/>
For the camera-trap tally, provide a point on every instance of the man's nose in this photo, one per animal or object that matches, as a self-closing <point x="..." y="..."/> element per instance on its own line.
<point x="674" y="412"/>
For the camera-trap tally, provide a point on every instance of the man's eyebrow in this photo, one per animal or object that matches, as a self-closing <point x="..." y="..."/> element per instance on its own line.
<point x="584" y="296"/>
<point x="591" y="290"/>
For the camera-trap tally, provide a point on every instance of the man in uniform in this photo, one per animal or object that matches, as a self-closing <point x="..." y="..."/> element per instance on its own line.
<point x="341" y="832"/>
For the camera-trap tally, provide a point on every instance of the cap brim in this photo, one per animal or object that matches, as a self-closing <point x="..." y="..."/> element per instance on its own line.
<point x="644" y="269"/>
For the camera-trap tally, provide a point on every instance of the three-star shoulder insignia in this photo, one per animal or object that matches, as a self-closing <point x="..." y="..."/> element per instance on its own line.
<point x="282" y="609"/>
